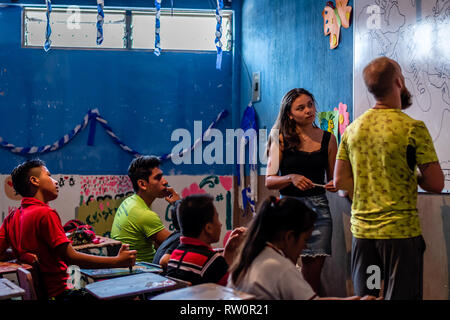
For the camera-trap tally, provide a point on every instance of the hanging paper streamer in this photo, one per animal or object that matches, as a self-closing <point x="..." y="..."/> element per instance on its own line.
<point x="56" y="145"/>
<point x="48" y="30"/>
<point x="219" y="34"/>
<point x="93" y="116"/>
<point x="197" y="142"/>
<point x="157" y="27"/>
<point x="248" y="195"/>
<point x="100" y="19"/>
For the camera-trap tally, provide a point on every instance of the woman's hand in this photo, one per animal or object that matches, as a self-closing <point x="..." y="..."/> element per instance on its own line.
<point x="301" y="182"/>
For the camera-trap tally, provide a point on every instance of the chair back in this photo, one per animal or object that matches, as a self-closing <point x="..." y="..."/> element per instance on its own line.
<point x="26" y="283"/>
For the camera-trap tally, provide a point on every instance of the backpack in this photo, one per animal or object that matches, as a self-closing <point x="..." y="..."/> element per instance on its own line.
<point x="79" y="232"/>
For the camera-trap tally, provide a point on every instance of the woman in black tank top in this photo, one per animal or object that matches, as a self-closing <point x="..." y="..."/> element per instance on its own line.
<point x="300" y="157"/>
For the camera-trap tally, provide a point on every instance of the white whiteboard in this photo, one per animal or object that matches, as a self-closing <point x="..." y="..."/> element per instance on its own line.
<point x="415" y="33"/>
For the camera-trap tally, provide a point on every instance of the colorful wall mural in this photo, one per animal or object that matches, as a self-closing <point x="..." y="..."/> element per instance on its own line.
<point x="94" y="199"/>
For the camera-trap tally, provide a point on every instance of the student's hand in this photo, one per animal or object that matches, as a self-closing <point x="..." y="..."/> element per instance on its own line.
<point x="126" y="257"/>
<point x="301" y="182"/>
<point x="172" y="196"/>
<point x="235" y="239"/>
<point x="330" y="187"/>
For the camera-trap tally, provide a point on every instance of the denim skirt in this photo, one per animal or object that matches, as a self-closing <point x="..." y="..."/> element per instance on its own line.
<point x="319" y="244"/>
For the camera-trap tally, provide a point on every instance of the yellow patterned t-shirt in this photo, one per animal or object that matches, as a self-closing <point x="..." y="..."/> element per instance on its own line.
<point x="385" y="186"/>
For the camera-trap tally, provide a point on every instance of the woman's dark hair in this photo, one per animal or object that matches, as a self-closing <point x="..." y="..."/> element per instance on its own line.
<point x="21" y="177"/>
<point x="194" y="212"/>
<point x="141" y="168"/>
<point x="286" y="126"/>
<point x="273" y="219"/>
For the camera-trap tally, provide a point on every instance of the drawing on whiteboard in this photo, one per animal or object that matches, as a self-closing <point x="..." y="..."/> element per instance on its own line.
<point x="415" y="34"/>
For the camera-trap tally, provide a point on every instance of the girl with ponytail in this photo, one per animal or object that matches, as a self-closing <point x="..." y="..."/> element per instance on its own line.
<point x="266" y="262"/>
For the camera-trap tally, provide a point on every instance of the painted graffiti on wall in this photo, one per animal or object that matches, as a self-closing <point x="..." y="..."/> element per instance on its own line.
<point x="95" y="199"/>
<point x="100" y="196"/>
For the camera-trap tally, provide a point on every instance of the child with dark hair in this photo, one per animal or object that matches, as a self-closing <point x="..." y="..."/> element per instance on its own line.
<point x="194" y="260"/>
<point x="266" y="263"/>
<point x="34" y="231"/>
<point x="166" y="248"/>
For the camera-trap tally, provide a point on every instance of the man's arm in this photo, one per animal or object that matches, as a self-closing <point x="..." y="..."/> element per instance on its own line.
<point x="343" y="176"/>
<point x="431" y="177"/>
<point x="160" y="236"/>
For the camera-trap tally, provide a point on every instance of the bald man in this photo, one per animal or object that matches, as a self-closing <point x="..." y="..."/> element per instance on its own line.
<point x="377" y="163"/>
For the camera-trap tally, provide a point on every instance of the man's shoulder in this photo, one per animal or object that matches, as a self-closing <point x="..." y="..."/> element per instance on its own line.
<point x="134" y="204"/>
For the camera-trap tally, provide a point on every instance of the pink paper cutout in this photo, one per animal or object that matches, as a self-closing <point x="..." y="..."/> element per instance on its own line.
<point x="344" y="117"/>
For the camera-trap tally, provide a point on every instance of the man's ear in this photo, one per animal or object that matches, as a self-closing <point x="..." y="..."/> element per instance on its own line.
<point x="34" y="181"/>
<point x="142" y="184"/>
<point x="208" y="228"/>
<point x="398" y="82"/>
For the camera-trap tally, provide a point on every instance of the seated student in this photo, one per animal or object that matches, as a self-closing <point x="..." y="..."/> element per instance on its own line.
<point x="194" y="260"/>
<point x="166" y="248"/>
<point x="135" y="222"/>
<point x="266" y="264"/>
<point x="35" y="230"/>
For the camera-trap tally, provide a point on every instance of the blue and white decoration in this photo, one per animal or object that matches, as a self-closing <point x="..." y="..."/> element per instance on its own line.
<point x="48" y="29"/>
<point x="219" y="34"/>
<point x="94" y="116"/>
<point x="248" y="195"/>
<point x="100" y="19"/>
<point x="157" y="27"/>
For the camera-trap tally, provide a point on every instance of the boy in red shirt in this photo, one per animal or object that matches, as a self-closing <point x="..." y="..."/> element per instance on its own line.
<point x="35" y="230"/>
<point x="194" y="260"/>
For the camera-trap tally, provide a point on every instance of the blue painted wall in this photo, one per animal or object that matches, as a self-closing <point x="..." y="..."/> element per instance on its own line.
<point x="284" y="40"/>
<point x="143" y="97"/>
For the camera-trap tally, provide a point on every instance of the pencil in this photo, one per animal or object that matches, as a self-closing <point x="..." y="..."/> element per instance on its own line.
<point x="318" y="185"/>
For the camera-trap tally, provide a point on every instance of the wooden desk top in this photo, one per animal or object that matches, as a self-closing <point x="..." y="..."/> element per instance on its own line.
<point x="205" y="291"/>
<point x="11" y="267"/>
<point x="127" y="286"/>
<point x="9" y="290"/>
<point x="104" y="242"/>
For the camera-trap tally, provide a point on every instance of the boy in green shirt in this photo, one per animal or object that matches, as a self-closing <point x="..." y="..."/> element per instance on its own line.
<point x="135" y="223"/>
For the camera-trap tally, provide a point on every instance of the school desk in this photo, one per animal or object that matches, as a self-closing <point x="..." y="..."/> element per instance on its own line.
<point x="9" y="290"/>
<point x="12" y="266"/>
<point x="130" y="286"/>
<point x="107" y="273"/>
<point x="105" y="247"/>
<point x="205" y="291"/>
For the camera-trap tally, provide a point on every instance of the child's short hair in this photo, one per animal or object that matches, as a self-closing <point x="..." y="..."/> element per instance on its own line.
<point x="194" y="213"/>
<point x="141" y="168"/>
<point x="21" y="177"/>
